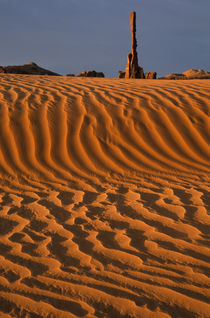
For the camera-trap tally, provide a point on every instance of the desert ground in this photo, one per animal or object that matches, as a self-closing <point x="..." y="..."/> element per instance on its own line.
<point x="104" y="197"/>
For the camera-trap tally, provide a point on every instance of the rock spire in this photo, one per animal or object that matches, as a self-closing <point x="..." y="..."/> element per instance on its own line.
<point x="133" y="70"/>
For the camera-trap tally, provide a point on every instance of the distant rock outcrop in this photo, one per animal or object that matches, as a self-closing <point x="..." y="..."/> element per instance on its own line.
<point x="70" y="75"/>
<point x="30" y="68"/>
<point x="151" y="75"/>
<point x="121" y="74"/>
<point x="2" y="70"/>
<point x="189" y="74"/>
<point x="132" y="68"/>
<point x="173" y="76"/>
<point x="91" y="74"/>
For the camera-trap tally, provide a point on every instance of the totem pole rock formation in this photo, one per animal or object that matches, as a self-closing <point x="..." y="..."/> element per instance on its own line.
<point x="133" y="70"/>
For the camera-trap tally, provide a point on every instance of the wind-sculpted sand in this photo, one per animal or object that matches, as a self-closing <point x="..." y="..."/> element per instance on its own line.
<point x="104" y="197"/>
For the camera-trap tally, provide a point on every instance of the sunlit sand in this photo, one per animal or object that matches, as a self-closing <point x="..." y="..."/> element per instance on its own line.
<point x="104" y="197"/>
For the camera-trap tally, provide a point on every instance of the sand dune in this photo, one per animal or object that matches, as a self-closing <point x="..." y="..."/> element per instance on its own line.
<point x="104" y="197"/>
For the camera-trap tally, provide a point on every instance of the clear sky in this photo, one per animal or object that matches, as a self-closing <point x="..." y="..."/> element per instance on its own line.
<point x="70" y="36"/>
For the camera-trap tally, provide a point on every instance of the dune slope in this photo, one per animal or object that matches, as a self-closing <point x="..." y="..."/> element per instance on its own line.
<point x="104" y="197"/>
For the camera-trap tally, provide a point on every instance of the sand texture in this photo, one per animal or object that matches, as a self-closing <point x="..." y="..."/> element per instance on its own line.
<point x="104" y="197"/>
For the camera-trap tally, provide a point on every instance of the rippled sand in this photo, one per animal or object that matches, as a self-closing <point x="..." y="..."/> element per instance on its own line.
<point x="104" y="197"/>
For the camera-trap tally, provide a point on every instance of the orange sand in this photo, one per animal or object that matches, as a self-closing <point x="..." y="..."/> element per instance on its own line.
<point x="104" y="197"/>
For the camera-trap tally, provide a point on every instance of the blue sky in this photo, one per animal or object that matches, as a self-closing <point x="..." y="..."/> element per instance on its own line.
<point x="70" y="36"/>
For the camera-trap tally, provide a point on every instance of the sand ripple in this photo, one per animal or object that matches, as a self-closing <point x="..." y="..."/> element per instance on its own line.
<point x="104" y="197"/>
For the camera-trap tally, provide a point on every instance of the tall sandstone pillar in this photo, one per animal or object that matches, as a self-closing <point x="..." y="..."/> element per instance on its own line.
<point x="132" y="68"/>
